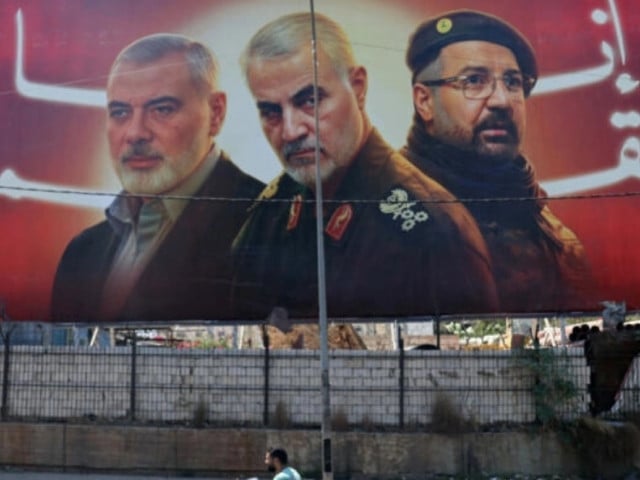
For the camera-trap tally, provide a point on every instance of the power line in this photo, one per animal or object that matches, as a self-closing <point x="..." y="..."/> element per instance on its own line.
<point x="591" y="196"/>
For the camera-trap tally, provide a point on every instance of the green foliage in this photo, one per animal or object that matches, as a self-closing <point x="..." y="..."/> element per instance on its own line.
<point x="553" y="387"/>
<point x="476" y="328"/>
<point x="459" y="329"/>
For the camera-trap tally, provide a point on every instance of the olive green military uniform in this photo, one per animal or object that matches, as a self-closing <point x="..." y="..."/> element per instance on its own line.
<point x="390" y="251"/>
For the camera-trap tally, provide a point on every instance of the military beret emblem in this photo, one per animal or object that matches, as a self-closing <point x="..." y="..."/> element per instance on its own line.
<point x="444" y="25"/>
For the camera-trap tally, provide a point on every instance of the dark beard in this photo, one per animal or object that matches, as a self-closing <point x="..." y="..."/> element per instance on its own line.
<point x="511" y="143"/>
<point x="271" y="469"/>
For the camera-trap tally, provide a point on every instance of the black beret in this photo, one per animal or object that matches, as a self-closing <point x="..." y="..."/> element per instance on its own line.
<point x="462" y="25"/>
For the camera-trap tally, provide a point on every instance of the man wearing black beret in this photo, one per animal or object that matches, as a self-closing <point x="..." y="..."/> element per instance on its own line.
<point x="471" y="75"/>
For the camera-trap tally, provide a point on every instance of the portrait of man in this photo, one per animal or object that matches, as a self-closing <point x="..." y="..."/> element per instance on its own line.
<point x="395" y="243"/>
<point x="569" y="191"/>
<point x="162" y="253"/>
<point x="471" y="75"/>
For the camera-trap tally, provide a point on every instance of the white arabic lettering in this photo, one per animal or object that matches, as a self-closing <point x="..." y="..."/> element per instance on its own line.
<point x="589" y="76"/>
<point x="628" y="167"/>
<point x="623" y="120"/>
<point x="626" y="84"/>
<point x="16" y="188"/>
<point x="629" y="154"/>
<point x="580" y="78"/>
<point x="618" y="28"/>
<point x="601" y="17"/>
<point x="52" y="93"/>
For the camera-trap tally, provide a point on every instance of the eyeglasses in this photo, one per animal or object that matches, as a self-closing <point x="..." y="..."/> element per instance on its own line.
<point x="478" y="86"/>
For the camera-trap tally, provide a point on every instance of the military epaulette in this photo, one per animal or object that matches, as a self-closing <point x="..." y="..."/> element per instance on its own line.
<point x="271" y="189"/>
<point x="402" y="209"/>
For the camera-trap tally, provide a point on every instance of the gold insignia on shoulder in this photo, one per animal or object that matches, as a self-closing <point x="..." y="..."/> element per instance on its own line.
<point x="271" y="189"/>
<point x="397" y="205"/>
<point x="444" y="25"/>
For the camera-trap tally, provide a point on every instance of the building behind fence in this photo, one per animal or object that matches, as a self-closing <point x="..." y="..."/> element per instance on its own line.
<point x="255" y="387"/>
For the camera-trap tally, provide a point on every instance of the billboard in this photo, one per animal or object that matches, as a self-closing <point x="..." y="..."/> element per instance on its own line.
<point x="403" y="248"/>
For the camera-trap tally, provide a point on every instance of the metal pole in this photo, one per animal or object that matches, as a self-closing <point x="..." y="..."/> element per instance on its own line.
<point x="4" y="410"/>
<point x="265" y="341"/>
<point x="5" y="333"/>
<point x="133" y="385"/>
<point x="401" y="375"/>
<point x="327" y="469"/>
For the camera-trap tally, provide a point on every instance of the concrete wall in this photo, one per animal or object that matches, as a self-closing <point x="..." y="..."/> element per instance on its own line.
<point x="241" y="452"/>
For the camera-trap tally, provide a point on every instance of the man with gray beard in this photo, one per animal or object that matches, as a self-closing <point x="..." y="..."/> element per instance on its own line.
<point x="394" y="245"/>
<point x="163" y="253"/>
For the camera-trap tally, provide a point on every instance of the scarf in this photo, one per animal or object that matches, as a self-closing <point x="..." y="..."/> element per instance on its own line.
<point x="482" y="185"/>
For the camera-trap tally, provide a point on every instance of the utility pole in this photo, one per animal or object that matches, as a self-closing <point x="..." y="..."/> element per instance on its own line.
<point x="327" y="468"/>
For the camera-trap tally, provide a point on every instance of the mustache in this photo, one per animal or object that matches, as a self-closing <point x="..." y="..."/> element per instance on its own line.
<point x="297" y="146"/>
<point x="498" y="121"/>
<point x="140" y="150"/>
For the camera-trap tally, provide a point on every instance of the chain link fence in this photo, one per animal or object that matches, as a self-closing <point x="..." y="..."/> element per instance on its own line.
<point x="394" y="389"/>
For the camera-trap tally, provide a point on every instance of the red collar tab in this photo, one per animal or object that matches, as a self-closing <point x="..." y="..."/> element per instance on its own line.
<point x="294" y="212"/>
<point x="339" y="221"/>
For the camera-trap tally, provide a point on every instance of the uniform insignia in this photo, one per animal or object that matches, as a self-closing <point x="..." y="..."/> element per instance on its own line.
<point x="271" y="189"/>
<point x="444" y="25"/>
<point x="339" y="221"/>
<point x="402" y="210"/>
<point x="294" y="212"/>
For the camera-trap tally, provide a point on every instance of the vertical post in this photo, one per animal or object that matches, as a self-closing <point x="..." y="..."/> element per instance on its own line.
<point x="327" y="469"/>
<point x="537" y="381"/>
<point x="5" y="333"/>
<point x="563" y="331"/>
<point x="438" y="332"/>
<point x="265" y="341"/>
<point x="235" y="337"/>
<point x="6" y="338"/>
<point x="401" y="375"/>
<point x="132" y="396"/>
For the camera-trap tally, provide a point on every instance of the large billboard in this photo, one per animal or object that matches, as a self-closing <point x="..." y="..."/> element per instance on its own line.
<point x="558" y="235"/>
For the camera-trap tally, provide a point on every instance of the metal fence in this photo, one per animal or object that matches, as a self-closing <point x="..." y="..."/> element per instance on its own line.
<point x="281" y="388"/>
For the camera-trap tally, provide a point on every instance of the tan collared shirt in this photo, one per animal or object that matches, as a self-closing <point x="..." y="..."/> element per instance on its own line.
<point x="142" y="227"/>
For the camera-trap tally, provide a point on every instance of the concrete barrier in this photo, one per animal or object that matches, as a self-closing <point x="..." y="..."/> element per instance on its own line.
<point x="240" y="452"/>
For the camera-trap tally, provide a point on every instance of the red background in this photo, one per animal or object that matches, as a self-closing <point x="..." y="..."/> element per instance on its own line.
<point x="73" y="42"/>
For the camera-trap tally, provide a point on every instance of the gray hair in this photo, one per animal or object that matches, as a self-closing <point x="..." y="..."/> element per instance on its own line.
<point x="203" y="65"/>
<point x="288" y="34"/>
<point x="431" y="70"/>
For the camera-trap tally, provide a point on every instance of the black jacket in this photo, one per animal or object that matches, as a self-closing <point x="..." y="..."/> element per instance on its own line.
<point x="188" y="277"/>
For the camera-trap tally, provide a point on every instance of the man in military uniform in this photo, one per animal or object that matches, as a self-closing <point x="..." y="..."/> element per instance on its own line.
<point x="471" y="75"/>
<point x="392" y="247"/>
